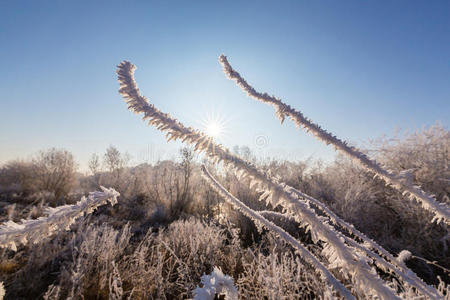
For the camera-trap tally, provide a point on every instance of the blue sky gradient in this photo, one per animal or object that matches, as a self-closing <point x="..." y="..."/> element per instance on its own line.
<point x="359" y="69"/>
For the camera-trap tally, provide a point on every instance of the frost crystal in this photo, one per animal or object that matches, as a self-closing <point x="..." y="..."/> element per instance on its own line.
<point x="218" y="284"/>
<point x="403" y="256"/>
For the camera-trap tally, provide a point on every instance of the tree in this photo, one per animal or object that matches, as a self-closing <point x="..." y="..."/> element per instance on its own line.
<point x="115" y="162"/>
<point x="187" y="156"/>
<point x="16" y="177"/>
<point x="94" y="166"/>
<point x="54" y="171"/>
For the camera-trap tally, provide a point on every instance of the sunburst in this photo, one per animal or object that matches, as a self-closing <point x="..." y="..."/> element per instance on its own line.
<point x="214" y="126"/>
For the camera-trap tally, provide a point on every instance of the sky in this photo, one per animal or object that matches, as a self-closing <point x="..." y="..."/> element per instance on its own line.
<point x="360" y="69"/>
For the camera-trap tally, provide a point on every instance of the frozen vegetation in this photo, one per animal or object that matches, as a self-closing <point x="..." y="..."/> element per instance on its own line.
<point x="225" y="225"/>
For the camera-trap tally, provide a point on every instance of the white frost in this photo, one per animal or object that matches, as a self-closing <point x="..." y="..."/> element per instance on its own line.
<point x="399" y="182"/>
<point x="403" y="256"/>
<point x="216" y="283"/>
<point x="58" y="218"/>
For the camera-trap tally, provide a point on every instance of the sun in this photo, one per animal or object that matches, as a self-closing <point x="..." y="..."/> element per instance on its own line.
<point x="214" y="129"/>
<point x="214" y="125"/>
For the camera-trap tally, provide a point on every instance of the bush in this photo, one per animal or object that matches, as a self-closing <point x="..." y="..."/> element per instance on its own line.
<point x="54" y="171"/>
<point x="169" y="263"/>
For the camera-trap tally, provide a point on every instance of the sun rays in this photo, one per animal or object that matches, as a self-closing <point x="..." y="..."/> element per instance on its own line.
<point x="214" y="126"/>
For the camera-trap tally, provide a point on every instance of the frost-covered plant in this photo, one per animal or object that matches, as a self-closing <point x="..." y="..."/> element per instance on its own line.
<point x="279" y="276"/>
<point x="54" y="171"/>
<point x="340" y="251"/>
<point x="169" y="264"/>
<point x="387" y="264"/>
<point x="423" y="156"/>
<point x="53" y="292"/>
<point x="2" y="291"/>
<point x="214" y="284"/>
<point x="151" y="270"/>
<point x="260" y="220"/>
<point x="93" y="271"/>
<point x="380" y="213"/>
<point x="403" y="256"/>
<point x="58" y="218"/>
<point x="444" y="289"/>
<point x="441" y="210"/>
<point x="115" y="283"/>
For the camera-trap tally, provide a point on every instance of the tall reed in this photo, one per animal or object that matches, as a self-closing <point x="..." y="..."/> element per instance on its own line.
<point x="440" y="210"/>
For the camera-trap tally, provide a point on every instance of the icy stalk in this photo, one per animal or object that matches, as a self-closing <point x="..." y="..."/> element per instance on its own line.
<point x="440" y="210"/>
<point x="260" y="220"/>
<point x="58" y="218"/>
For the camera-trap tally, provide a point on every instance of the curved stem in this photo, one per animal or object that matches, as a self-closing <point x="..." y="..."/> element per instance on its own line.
<point x="258" y="218"/>
<point x="440" y="210"/>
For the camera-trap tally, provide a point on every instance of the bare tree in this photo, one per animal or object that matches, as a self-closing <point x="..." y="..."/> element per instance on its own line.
<point x="112" y="159"/>
<point x="94" y="166"/>
<point x="187" y="155"/>
<point x="115" y="162"/>
<point x="54" y="171"/>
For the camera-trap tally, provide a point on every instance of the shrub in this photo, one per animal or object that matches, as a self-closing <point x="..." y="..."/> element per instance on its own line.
<point x="169" y="264"/>
<point x="54" y="171"/>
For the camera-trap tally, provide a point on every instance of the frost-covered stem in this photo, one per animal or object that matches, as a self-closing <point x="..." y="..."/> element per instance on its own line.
<point x="276" y="216"/>
<point x="341" y="255"/>
<point x="397" y="265"/>
<point x="259" y="219"/>
<point x="434" y="263"/>
<point x="441" y="210"/>
<point x="408" y="277"/>
<point x="58" y="218"/>
<point x="393" y="264"/>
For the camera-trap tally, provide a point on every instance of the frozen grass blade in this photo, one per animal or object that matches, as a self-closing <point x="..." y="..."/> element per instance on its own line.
<point x="58" y="218"/>
<point x="440" y="210"/>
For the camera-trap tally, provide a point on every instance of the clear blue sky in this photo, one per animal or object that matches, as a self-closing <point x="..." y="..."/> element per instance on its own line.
<point x="359" y="68"/>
